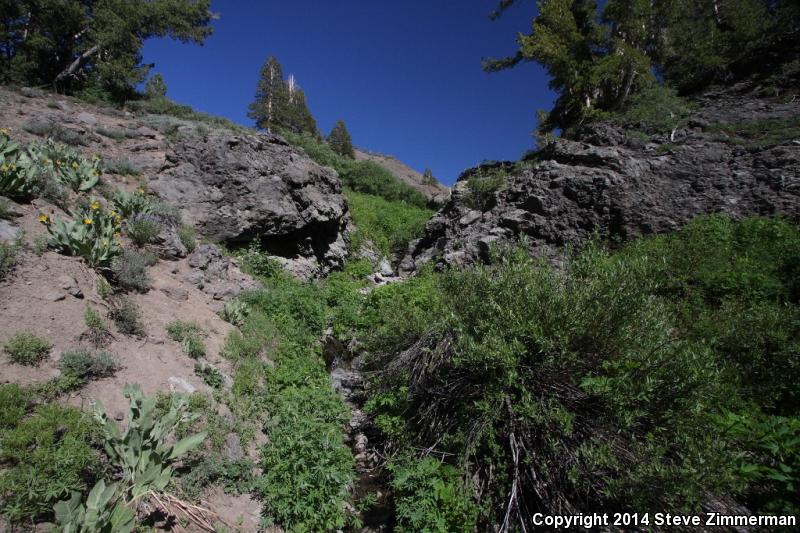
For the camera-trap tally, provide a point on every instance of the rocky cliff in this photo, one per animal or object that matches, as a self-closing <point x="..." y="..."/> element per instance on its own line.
<point x="739" y="153"/>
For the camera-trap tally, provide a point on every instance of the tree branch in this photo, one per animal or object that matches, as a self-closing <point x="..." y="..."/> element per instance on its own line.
<point x="70" y="70"/>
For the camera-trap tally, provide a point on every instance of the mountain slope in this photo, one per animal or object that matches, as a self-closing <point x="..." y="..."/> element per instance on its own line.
<point x="433" y="191"/>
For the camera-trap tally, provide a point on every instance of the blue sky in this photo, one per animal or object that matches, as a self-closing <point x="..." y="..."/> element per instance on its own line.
<point x="405" y="76"/>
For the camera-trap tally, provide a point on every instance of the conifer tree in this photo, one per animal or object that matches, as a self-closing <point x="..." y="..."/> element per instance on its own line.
<point x="427" y="177"/>
<point x="339" y="140"/>
<point x="155" y="87"/>
<point x="74" y="44"/>
<point x="269" y="108"/>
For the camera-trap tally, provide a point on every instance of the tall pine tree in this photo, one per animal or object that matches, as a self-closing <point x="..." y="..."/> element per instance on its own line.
<point x="279" y="104"/>
<point x="340" y="141"/>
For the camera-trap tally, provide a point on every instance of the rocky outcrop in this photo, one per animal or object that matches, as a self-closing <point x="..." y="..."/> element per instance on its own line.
<point x="611" y="182"/>
<point x="236" y="188"/>
<point x="434" y="191"/>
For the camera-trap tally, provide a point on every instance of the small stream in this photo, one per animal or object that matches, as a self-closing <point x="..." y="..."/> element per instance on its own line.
<point x="347" y="380"/>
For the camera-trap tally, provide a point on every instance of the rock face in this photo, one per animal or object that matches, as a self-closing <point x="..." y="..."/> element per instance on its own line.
<point x="433" y="190"/>
<point x="236" y="188"/>
<point x="607" y="181"/>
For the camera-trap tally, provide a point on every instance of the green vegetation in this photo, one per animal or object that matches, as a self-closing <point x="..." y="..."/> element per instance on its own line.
<point x="600" y="57"/>
<point x="56" y="132"/>
<point x="388" y="225"/>
<point x="129" y="270"/>
<point x="91" y="234"/>
<point x="481" y="187"/>
<point x="188" y="237"/>
<point x="97" y="51"/>
<point x="85" y="365"/>
<point x="27" y="349"/>
<point x="280" y="103"/>
<point x="46" y="453"/>
<point x="210" y="375"/>
<point x="760" y="133"/>
<point x="126" y="316"/>
<point x="123" y="167"/>
<point x="190" y="335"/>
<point x="339" y="140"/>
<point x="360" y="176"/>
<point x="8" y="257"/>
<point x="668" y="363"/>
<point x="236" y="311"/>
<point x="142" y="228"/>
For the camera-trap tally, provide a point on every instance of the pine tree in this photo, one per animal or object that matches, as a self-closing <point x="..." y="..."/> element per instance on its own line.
<point x="74" y="44"/>
<point x="339" y="140"/>
<point x="299" y="118"/>
<point x="270" y="106"/>
<point x="427" y="177"/>
<point x="155" y="87"/>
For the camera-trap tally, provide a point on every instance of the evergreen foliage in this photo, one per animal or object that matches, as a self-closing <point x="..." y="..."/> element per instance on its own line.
<point x="92" y="46"/>
<point x="339" y="140"/>
<point x="598" y="59"/>
<point x="280" y="104"/>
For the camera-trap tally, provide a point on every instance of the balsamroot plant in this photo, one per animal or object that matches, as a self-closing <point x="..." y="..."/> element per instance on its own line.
<point x="129" y="204"/>
<point x="91" y="234"/>
<point x="66" y="165"/>
<point x="16" y="179"/>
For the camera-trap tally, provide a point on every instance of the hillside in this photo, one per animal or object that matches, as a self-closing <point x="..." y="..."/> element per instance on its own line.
<point x="433" y="191"/>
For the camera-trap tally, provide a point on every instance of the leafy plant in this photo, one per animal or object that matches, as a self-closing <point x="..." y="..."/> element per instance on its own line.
<point x="143" y="451"/>
<point x="188" y="237"/>
<point x="235" y="311"/>
<point x="15" y="402"/>
<point x="66" y="165"/>
<point x="430" y="496"/>
<point x="27" y="349"/>
<point x="125" y="314"/>
<point x="190" y="335"/>
<point x="210" y="375"/>
<point x="142" y="228"/>
<point x="103" y="512"/>
<point x="55" y="132"/>
<point x="388" y="225"/>
<point x="46" y="457"/>
<point x="85" y="365"/>
<point x="92" y="234"/>
<point x="123" y="167"/>
<point x="129" y="204"/>
<point x="16" y="176"/>
<point x="482" y="186"/>
<point x="8" y="257"/>
<point x="130" y="270"/>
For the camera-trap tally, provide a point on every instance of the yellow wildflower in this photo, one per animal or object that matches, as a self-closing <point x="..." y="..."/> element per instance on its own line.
<point x="118" y="235"/>
<point x="94" y="206"/>
<point x="141" y="190"/>
<point x="105" y="243"/>
<point x="3" y="168"/>
<point x="44" y="219"/>
<point x="74" y="164"/>
<point x="4" y="131"/>
<point x="88" y="221"/>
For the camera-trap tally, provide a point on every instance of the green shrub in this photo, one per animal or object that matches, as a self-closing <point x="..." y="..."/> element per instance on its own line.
<point x="129" y="204"/>
<point x="142" y="228"/>
<point x="235" y="312"/>
<point x="130" y="270"/>
<point x="235" y="476"/>
<point x="8" y="257"/>
<point x="482" y="186"/>
<point x="46" y="457"/>
<point x="17" y="178"/>
<point x="125" y="314"/>
<point x="117" y="135"/>
<point x="190" y="335"/>
<point x="188" y="237"/>
<point x="67" y="166"/>
<point x="86" y="365"/>
<point x="123" y="167"/>
<point x="27" y="349"/>
<point x="389" y="226"/>
<point x="360" y="176"/>
<point x="56" y="132"/>
<point x="210" y="375"/>
<point x="429" y="496"/>
<point x="658" y="109"/>
<point x="257" y="262"/>
<point x="15" y="403"/>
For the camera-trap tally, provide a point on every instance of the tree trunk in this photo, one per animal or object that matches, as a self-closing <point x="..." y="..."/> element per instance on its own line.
<point x="70" y="70"/>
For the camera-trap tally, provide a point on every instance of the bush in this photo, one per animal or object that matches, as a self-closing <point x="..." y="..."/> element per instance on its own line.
<point x="482" y="186"/>
<point x="15" y="403"/>
<point x="658" y="109"/>
<point x="188" y="237"/>
<point x="8" y="257"/>
<point x="190" y="335"/>
<point x="56" y="132"/>
<point x="45" y="458"/>
<point x="130" y="204"/>
<point x="210" y="375"/>
<point x="125" y="314"/>
<point x="92" y="234"/>
<point x="16" y="178"/>
<point x="142" y="228"/>
<point x="123" y="167"/>
<point x="27" y="349"/>
<point x="429" y="496"/>
<point x="130" y="270"/>
<point x="86" y="366"/>
<point x="389" y="226"/>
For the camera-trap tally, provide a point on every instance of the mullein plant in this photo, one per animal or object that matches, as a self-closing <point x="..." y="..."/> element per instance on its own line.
<point x="92" y="233"/>
<point x="66" y="165"/>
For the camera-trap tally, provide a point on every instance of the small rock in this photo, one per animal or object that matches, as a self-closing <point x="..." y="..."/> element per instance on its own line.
<point x="232" y="449"/>
<point x="144" y="131"/>
<point x="385" y="267"/>
<point x="8" y="231"/>
<point x="119" y="416"/>
<point x="177" y="384"/>
<point x="13" y="209"/>
<point x="87" y="118"/>
<point x="469" y="218"/>
<point x="179" y="294"/>
<point x="55" y="296"/>
<point x="70" y="284"/>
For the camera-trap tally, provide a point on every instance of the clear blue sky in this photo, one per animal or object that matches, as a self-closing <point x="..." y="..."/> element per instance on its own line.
<point x="405" y="76"/>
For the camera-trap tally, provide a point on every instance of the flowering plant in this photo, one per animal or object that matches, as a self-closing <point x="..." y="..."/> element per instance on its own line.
<point x="92" y="233"/>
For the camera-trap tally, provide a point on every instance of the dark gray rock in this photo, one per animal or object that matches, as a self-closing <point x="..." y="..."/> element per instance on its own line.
<point x="237" y="188"/>
<point x="600" y="182"/>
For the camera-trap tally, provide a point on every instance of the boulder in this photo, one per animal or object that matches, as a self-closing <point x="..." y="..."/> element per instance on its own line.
<point x="235" y="188"/>
<point x="597" y="181"/>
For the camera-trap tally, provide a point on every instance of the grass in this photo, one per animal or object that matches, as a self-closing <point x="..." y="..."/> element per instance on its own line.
<point x="85" y="365"/>
<point x="122" y="167"/>
<point x="57" y="132"/>
<point x="388" y="225"/>
<point x="126" y="315"/>
<point x="27" y="349"/>
<point x="190" y="335"/>
<point x="188" y="237"/>
<point x="9" y="252"/>
<point x="760" y="133"/>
